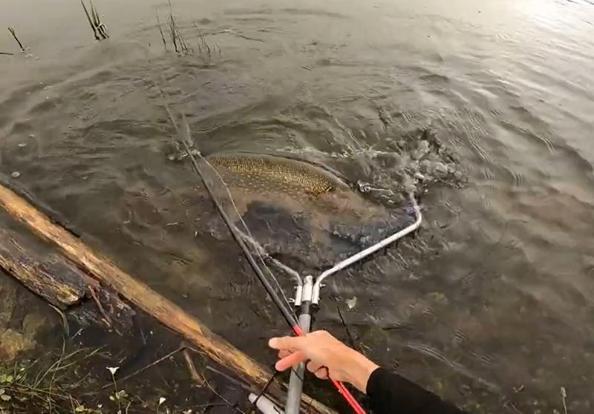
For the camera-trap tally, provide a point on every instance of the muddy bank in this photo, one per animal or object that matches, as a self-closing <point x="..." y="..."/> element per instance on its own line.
<point x="23" y="319"/>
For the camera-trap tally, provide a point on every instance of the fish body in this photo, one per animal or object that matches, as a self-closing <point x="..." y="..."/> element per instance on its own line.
<point x="299" y="186"/>
<point x="299" y="209"/>
<point x="276" y="173"/>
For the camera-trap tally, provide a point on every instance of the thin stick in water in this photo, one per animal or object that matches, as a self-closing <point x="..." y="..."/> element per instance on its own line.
<point x="179" y="44"/>
<point x="152" y="364"/>
<point x="161" y="30"/>
<point x="99" y="29"/>
<point x="13" y="33"/>
<point x="173" y="33"/>
<point x="346" y="328"/>
<point x="100" y="26"/>
<point x="196" y="377"/>
<point x="564" y="399"/>
<point x="93" y="28"/>
<point x="172" y="28"/>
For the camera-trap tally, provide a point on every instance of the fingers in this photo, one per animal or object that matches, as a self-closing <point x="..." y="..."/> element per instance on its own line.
<point x="283" y="353"/>
<point x="313" y="366"/>
<point x="286" y="347"/>
<point x="290" y="361"/>
<point x="294" y="350"/>
<point x="317" y="369"/>
<point x="322" y="373"/>
<point x="287" y="342"/>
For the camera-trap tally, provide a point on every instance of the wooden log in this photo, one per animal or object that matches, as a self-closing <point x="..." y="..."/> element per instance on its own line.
<point x="53" y="277"/>
<point x="48" y="275"/>
<point x="139" y="294"/>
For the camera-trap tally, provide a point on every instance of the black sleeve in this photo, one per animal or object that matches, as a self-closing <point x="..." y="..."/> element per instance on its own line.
<point x="393" y="394"/>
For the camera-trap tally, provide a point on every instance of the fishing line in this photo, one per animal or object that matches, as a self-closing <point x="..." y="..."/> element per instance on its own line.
<point x="263" y="256"/>
<point x="189" y="146"/>
<point x="260" y="251"/>
<point x="265" y="388"/>
<point x="281" y="303"/>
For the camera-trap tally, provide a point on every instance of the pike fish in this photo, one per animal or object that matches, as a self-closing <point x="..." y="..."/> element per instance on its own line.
<point x="298" y="209"/>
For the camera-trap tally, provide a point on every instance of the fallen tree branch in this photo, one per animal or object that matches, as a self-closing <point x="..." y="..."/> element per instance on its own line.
<point x="49" y="276"/>
<point x="139" y="294"/>
<point x="57" y="280"/>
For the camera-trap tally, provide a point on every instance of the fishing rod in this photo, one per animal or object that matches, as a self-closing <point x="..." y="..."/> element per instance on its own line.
<point x="287" y="314"/>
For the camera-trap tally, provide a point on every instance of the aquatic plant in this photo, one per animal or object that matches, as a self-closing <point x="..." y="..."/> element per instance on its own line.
<point x="99" y="29"/>
<point x="45" y="384"/>
<point x="176" y="38"/>
<point x="206" y="50"/>
<point x="171" y="34"/>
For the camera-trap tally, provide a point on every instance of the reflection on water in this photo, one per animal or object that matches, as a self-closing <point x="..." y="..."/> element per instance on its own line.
<point x="491" y="304"/>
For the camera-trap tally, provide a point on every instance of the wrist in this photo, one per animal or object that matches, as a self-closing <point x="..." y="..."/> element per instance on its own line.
<point x="360" y="369"/>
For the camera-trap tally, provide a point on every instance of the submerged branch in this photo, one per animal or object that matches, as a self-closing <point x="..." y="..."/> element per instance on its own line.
<point x="144" y="368"/>
<point x="196" y="377"/>
<point x="13" y="33"/>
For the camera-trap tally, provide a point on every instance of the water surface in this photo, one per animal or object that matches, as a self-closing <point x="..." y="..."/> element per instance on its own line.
<point x="490" y="304"/>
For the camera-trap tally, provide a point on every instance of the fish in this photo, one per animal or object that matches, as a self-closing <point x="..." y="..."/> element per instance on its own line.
<point x="296" y="184"/>
<point x="302" y="211"/>
<point x="288" y="175"/>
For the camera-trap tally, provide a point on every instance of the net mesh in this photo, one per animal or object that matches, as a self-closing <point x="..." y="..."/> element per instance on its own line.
<point x="223" y="198"/>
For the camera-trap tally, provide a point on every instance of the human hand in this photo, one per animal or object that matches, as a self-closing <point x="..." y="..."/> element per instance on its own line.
<point x="327" y="356"/>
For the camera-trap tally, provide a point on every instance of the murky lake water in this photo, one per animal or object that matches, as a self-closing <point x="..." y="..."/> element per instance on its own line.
<point x="491" y="304"/>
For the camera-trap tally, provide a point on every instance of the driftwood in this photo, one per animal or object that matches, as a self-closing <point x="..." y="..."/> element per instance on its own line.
<point x="58" y="281"/>
<point x="50" y="276"/>
<point x="103" y="272"/>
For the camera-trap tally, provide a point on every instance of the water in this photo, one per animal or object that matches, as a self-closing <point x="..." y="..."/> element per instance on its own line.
<point x="491" y="304"/>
